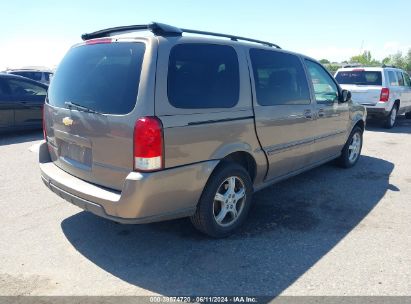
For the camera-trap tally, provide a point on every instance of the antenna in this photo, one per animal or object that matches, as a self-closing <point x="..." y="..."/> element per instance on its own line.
<point x="362" y="47"/>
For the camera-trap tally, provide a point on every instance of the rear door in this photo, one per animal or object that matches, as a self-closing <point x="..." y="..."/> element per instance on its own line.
<point x="333" y="116"/>
<point x="91" y="110"/>
<point x="284" y="114"/>
<point x="6" y="106"/>
<point x="365" y="86"/>
<point x="28" y="99"/>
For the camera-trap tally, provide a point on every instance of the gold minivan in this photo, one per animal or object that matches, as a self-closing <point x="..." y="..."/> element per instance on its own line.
<point x="184" y="123"/>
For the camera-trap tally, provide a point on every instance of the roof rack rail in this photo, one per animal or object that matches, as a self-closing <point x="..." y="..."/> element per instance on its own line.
<point x="389" y="66"/>
<point x="232" y="37"/>
<point x="160" y="29"/>
<point x="353" y="65"/>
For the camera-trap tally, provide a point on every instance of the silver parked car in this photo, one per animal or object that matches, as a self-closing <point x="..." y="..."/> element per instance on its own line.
<point x="384" y="91"/>
<point x="172" y="125"/>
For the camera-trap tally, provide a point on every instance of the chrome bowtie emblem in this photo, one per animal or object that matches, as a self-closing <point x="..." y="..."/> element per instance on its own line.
<point x="67" y="121"/>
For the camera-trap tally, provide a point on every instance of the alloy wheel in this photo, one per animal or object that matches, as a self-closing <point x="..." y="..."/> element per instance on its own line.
<point x="229" y="201"/>
<point x="354" y="147"/>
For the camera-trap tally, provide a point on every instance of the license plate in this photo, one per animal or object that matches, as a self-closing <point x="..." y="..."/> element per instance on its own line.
<point x="75" y="152"/>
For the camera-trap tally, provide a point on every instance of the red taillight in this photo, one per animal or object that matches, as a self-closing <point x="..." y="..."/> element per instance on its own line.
<point x="148" y="144"/>
<point x="98" y="41"/>
<point x="44" y="125"/>
<point x="385" y="94"/>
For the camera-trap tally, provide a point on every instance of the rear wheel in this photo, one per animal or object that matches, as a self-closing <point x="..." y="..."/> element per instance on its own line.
<point x="225" y="201"/>
<point x="408" y="115"/>
<point x="352" y="149"/>
<point x="391" y="118"/>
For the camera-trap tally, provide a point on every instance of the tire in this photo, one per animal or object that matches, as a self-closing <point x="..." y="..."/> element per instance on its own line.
<point x="391" y="118"/>
<point x="216" y="218"/>
<point x="347" y="158"/>
<point x="408" y="115"/>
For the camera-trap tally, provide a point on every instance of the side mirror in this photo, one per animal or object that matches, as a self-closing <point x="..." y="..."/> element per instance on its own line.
<point x="345" y="96"/>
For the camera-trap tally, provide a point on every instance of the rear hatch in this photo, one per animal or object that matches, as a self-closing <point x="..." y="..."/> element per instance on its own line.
<point x="87" y="115"/>
<point x="365" y="86"/>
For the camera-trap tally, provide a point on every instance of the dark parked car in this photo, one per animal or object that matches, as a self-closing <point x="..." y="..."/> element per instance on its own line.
<point x="21" y="102"/>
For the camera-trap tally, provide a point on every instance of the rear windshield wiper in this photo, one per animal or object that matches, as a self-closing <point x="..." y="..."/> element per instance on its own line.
<point x="72" y="105"/>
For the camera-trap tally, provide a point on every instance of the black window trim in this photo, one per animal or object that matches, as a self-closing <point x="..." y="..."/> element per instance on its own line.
<point x="203" y="109"/>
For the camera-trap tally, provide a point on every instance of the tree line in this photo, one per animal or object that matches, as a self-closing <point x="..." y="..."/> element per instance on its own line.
<point x="398" y="59"/>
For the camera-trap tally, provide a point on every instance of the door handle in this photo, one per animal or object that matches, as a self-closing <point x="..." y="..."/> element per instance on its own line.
<point x="321" y="113"/>
<point x="308" y="114"/>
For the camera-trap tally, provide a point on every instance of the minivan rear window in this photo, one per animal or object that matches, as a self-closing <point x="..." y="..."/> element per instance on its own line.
<point x="203" y="76"/>
<point x="359" y="77"/>
<point x="102" y="77"/>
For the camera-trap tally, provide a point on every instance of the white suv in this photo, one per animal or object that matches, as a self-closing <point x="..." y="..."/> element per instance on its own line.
<point x="385" y="91"/>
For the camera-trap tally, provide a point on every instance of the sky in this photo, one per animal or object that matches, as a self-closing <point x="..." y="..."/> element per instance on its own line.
<point x="40" y="32"/>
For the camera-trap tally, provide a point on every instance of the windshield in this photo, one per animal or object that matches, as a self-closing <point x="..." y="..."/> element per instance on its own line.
<point x="101" y="77"/>
<point x="359" y="77"/>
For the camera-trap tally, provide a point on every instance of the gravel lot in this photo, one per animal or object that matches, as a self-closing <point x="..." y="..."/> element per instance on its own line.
<point x="329" y="231"/>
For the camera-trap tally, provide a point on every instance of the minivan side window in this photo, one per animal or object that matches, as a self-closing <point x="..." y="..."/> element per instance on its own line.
<point x="407" y="80"/>
<point x="203" y="76"/>
<point x="392" y="78"/>
<point x="325" y="89"/>
<point x="279" y="78"/>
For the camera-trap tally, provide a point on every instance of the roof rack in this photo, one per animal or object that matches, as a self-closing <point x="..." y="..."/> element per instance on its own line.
<point x="160" y="29"/>
<point x="389" y="66"/>
<point x="353" y="65"/>
<point x="232" y="37"/>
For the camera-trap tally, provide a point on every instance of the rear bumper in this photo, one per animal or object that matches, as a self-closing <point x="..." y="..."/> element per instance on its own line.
<point x="379" y="110"/>
<point x="145" y="197"/>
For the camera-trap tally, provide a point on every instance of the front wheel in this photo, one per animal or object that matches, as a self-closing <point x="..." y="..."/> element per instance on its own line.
<point x="352" y="149"/>
<point x="225" y="201"/>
